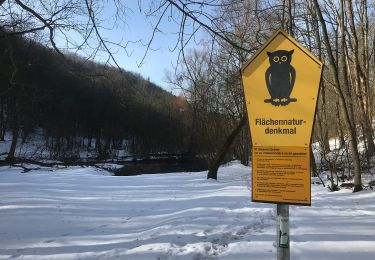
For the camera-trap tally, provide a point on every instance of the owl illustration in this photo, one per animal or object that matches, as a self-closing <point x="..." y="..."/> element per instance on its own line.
<point x="280" y="78"/>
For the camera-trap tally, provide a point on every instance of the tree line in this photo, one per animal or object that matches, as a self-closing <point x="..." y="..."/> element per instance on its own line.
<point x="84" y="106"/>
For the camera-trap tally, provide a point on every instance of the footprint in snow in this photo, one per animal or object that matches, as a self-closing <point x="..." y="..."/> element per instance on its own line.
<point x="125" y="220"/>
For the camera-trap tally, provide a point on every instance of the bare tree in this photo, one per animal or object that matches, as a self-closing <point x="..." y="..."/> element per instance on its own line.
<point x="342" y="88"/>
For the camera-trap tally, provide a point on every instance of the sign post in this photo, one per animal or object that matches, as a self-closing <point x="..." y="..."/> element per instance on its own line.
<point x="281" y="85"/>
<point x="282" y="232"/>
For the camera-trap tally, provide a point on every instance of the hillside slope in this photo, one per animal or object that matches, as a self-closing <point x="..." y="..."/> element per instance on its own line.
<point x="82" y="105"/>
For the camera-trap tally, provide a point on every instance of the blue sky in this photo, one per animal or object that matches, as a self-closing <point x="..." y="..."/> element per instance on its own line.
<point x="138" y="29"/>
<point x="158" y="61"/>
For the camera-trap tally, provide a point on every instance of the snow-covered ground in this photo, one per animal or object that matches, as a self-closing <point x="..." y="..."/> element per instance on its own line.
<point x="84" y="213"/>
<point x="34" y="148"/>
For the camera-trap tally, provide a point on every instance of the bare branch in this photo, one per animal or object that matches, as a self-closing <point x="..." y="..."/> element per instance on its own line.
<point x="184" y="10"/>
<point x="46" y="24"/>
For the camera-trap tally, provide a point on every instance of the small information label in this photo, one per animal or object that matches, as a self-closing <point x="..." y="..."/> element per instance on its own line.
<point x="281" y="175"/>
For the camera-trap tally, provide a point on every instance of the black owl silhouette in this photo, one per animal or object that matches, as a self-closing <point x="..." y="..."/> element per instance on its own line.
<point x="280" y="78"/>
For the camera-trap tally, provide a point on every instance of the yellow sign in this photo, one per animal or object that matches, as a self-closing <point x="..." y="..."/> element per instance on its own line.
<point x="281" y="83"/>
<point x="281" y="175"/>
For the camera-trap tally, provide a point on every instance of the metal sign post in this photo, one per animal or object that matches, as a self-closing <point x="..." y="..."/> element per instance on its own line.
<point x="282" y="232"/>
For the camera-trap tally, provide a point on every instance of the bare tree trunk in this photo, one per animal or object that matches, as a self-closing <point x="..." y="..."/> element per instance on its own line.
<point x="360" y="80"/>
<point x="2" y="120"/>
<point x="291" y="18"/>
<point x="13" y="100"/>
<point x="346" y="107"/>
<point x="314" y="169"/>
<point x="322" y="112"/>
<point x="339" y="126"/>
<point x="212" y="171"/>
<point x="15" y="132"/>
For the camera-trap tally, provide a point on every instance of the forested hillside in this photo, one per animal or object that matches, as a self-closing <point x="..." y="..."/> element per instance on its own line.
<point x="80" y="105"/>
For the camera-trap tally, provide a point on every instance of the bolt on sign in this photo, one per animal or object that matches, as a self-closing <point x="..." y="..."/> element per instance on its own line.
<point x="281" y="84"/>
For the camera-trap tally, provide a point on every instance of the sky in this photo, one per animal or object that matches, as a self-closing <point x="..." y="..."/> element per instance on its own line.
<point x="160" y="59"/>
<point x="135" y="31"/>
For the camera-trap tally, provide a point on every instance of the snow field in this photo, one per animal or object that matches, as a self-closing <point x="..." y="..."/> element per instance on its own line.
<point x="84" y="213"/>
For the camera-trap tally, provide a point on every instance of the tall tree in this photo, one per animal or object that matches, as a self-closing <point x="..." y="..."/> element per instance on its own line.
<point x="343" y="91"/>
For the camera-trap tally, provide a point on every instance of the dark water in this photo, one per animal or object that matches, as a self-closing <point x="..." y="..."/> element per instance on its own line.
<point x="162" y="165"/>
